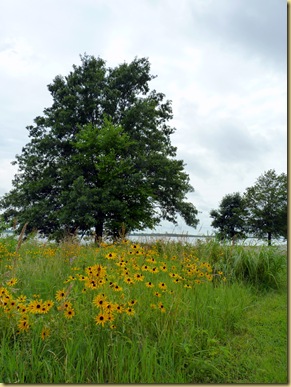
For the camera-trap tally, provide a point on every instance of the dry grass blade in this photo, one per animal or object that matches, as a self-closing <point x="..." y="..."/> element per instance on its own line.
<point x="20" y="239"/>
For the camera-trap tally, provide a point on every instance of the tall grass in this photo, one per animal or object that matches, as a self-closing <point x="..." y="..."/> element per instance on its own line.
<point x="260" y="266"/>
<point x="178" y="331"/>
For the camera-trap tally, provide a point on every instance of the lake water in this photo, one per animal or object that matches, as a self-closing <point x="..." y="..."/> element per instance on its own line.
<point x="193" y="239"/>
<point x="183" y="238"/>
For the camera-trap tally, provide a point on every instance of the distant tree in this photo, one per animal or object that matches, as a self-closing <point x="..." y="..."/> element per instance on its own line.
<point x="266" y="205"/>
<point x="100" y="157"/>
<point x="229" y="219"/>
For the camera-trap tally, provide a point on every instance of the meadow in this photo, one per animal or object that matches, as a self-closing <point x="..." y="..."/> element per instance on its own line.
<point x="162" y="312"/>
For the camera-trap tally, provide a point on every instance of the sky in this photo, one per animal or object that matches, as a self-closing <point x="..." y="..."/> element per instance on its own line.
<point x="222" y="63"/>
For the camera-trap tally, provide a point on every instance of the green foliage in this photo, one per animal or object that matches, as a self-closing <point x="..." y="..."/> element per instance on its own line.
<point x="100" y="157"/>
<point x="261" y="211"/>
<point x="266" y="205"/>
<point x="229" y="219"/>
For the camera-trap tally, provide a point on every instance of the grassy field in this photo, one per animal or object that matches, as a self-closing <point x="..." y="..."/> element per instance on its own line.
<point x="151" y="313"/>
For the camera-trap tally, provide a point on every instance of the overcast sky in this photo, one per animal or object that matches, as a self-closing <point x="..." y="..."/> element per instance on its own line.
<point x="221" y="62"/>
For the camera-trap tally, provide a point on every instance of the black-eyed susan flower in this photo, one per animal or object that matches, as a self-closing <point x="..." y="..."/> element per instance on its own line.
<point x="119" y="308"/>
<point x="109" y="307"/>
<point x="49" y="304"/>
<point x="12" y="304"/>
<point x="21" y="298"/>
<point x="65" y="305"/>
<point x="129" y="311"/>
<point x="157" y="294"/>
<point x="45" y="333"/>
<point x="151" y="260"/>
<point x="128" y="280"/>
<point x="3" y="291"/>
<point x="138" y="277"/>
<point x="132" y="302"/>
<point x="44" y="309"/>
<point x="35" y="306"/>
<point x="111" y="256"/>
<point x="149" y="285"/>
<point x="23" y="325"/>
<point x="69" y="313"/>
<point x="116" y="288"/>
<point x="110" y="317"/>
<point x="101" y="318"/>
<point x="99" y="300"/>
<point x="60" y="295"/>
<point x="161" y="307"/>
<point x="12" y="282"/>
<point x="162" y="285"/>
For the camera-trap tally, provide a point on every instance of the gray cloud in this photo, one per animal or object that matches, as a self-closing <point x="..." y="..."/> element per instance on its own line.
<point x="222" y="63"/>
<point x="233" y="143"/>
<point x="258" y="28"/>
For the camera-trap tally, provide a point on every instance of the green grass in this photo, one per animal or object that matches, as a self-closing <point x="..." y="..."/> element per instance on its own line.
<point x="229" y="327"/>
<point x="263" y="348"/>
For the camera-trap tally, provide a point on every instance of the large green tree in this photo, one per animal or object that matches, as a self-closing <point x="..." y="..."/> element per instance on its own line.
<point x="100" y="157"/>
<point x="266" y="205"/>
<point x="229" y="218"/>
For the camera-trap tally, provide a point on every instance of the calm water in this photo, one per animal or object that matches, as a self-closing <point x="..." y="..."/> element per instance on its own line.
<point x="194" y="239"/>
<point x="184" y="238"/>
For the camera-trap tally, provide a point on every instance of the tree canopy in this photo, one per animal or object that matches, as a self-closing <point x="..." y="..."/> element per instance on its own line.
<point x="229" y="219"/>
<point x="100" y="157"/>
<point x="266" y="205"/>
<point x="261" y="211"/>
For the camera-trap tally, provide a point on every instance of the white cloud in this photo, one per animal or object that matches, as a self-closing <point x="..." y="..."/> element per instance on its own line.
<point x="7" y="172"/>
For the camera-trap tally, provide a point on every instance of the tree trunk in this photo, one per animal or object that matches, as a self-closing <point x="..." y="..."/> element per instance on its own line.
<point x="269" y="238"/>
<point x="98" y="232"/>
